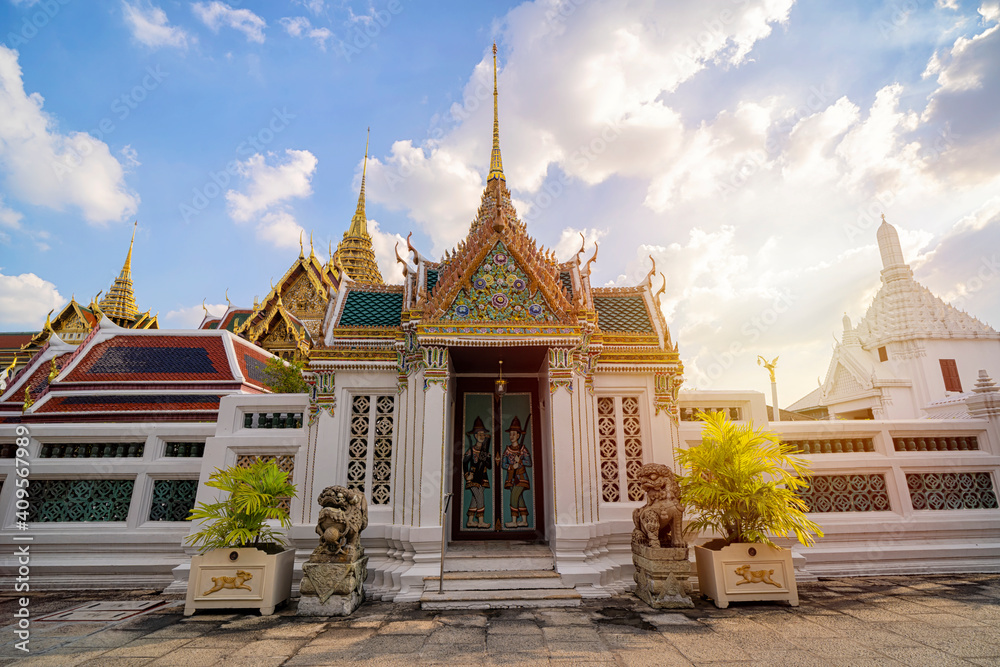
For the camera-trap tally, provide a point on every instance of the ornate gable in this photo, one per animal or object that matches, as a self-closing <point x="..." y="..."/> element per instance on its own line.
<point x="290" y="318"/>
<point x="501" y="291"/>
<point x="498" y="273"/>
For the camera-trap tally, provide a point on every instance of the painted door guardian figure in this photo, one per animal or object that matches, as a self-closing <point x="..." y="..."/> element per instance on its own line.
<point x="475" y="467"/>
<point x="516" y="460"/>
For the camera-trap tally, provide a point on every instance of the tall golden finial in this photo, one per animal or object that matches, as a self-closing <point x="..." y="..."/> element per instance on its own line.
<point x="312" y="251"/>
<point x="228" y="302"/>
<point x="359" y="223"/>
<point x="302" y="251"/>
<point x="128" y="257"/>
<point x="204" y="307"/>
<point x="119" y="302"/>
<point x="496" y="164"/>
<point x="355" y="253"/>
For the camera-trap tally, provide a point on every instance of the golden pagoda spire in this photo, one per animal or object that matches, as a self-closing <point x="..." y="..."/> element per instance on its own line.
<point x="119" y="303"/>
<point x="496" y="164"/>
<point x="359" y="223"/>
<point x="355" y="251"/>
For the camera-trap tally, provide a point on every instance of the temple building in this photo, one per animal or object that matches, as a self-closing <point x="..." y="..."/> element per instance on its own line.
<point x="911" y="356"/>
<point x="494" y="409"/>
<point x="75" y="321"/>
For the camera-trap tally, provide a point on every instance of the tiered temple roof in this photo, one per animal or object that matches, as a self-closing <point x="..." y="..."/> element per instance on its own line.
<point x="355" y="251"/>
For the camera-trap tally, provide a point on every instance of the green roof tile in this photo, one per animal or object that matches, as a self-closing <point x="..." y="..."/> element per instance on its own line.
<point x="372" y="309"/>
<point x="622" y="313"/>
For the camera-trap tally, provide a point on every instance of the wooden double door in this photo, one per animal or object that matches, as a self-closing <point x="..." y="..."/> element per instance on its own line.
<point x="497" y="482"/>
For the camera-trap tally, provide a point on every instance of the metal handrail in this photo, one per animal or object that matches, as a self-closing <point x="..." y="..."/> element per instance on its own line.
<point x="444" y="534"/>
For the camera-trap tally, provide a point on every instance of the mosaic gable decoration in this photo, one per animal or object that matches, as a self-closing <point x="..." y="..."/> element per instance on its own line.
<point x="500" y="292"/>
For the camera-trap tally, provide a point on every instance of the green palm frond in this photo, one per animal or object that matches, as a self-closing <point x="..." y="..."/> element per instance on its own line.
<point x="250" y="498"/>
<point x="742" y="483"/>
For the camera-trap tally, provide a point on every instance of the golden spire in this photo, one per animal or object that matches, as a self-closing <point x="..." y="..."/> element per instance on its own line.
<point x="119" y="303"/>
<point x="359" y="223"/>
<point x="355" y="251"/>
<point x="496" y="164"/>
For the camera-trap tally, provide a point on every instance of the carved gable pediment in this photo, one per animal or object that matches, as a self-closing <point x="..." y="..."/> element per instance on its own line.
<point x="500" y="290"/>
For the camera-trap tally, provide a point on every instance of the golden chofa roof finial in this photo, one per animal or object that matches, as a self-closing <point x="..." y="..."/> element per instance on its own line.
<point x="496" y="164"/>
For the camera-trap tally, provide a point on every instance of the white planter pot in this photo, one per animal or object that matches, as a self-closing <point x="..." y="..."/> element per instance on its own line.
<point x="746" y="572"/>
<point x="244" y="578"/>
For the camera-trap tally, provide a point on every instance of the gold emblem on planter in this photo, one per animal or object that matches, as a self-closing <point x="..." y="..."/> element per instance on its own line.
<point x="755" y="576"/>
<point x="230" y="582"/>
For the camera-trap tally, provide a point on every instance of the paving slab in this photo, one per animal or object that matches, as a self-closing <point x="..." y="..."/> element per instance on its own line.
<point x="929" y="620"/>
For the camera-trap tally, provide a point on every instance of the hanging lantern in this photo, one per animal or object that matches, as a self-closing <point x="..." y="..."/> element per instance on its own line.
<point x="501" y="384"/>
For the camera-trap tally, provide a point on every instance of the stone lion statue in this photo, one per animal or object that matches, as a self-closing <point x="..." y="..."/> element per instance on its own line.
<point x="659" y="522"/>
<point x="343" y="517"/>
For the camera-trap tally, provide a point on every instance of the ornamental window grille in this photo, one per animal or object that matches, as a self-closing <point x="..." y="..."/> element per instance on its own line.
<point x="951" y="491"/>
<point x="54" y="500"/>
<point x="173" y="499"/>
<point x="286" y="463"/>
<point x="846" y="493"/>
<point x="369" y="467"/>
<point x="619" y="433"/>
<point x="91" y="450"/>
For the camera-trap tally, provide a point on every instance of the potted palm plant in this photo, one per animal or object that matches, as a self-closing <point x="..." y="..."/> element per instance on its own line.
<point x="741" y="483"/>
<point x="244" y="562"/>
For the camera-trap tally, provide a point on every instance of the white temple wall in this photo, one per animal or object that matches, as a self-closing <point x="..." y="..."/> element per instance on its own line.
<point x="908" y="466"/>
<point x="149" y="489"/>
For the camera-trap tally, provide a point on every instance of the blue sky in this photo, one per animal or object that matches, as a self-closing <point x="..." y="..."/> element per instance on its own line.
<point x="748" y="145"/>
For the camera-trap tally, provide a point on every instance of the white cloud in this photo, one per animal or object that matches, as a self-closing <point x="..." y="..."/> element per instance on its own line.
<point x="267" y="191"/>
<point x="300" y="27"/>
<point x="150" y="26"/>
<point x="25" y="299"/>
<point x="990" y="11"/>
<point x="217" y="14"/>
<point x="384" y="245"/>
<point x="569" y="242"/>
<point x="270" y="185"/>
<point x="48" y="168"/>
<point x="191" y="317"/>
<point x="130" y="155"/>
<point x="279" y="228"/>
<point x="9" y="218"/>
<point x="314" y="6"/>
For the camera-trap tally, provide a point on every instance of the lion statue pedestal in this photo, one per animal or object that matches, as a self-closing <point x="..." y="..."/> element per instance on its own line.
<point x="659" y="552"/>
<point x="333" y="578"/>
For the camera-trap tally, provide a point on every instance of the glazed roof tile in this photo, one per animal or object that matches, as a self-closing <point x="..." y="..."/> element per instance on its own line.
<point x="622" y="313"/>
<point x="131" y="358"/>
<point x="567" y="281"/>
<point x="432" y="279"/>
<point x="131" y="403"/>
<point x="12" y="340"/>
<point x="372" y="309"/>
<point x="252" y="362"/>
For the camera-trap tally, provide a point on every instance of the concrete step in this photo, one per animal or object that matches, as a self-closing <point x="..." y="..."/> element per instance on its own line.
<point x="497" y="557"/>
<point x="462" y="563"/>
<point x="538" y="597"/>
<point x="486" y="581"/>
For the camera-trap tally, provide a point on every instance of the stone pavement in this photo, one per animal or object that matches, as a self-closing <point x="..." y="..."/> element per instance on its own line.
<point x="906" y="620"/>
